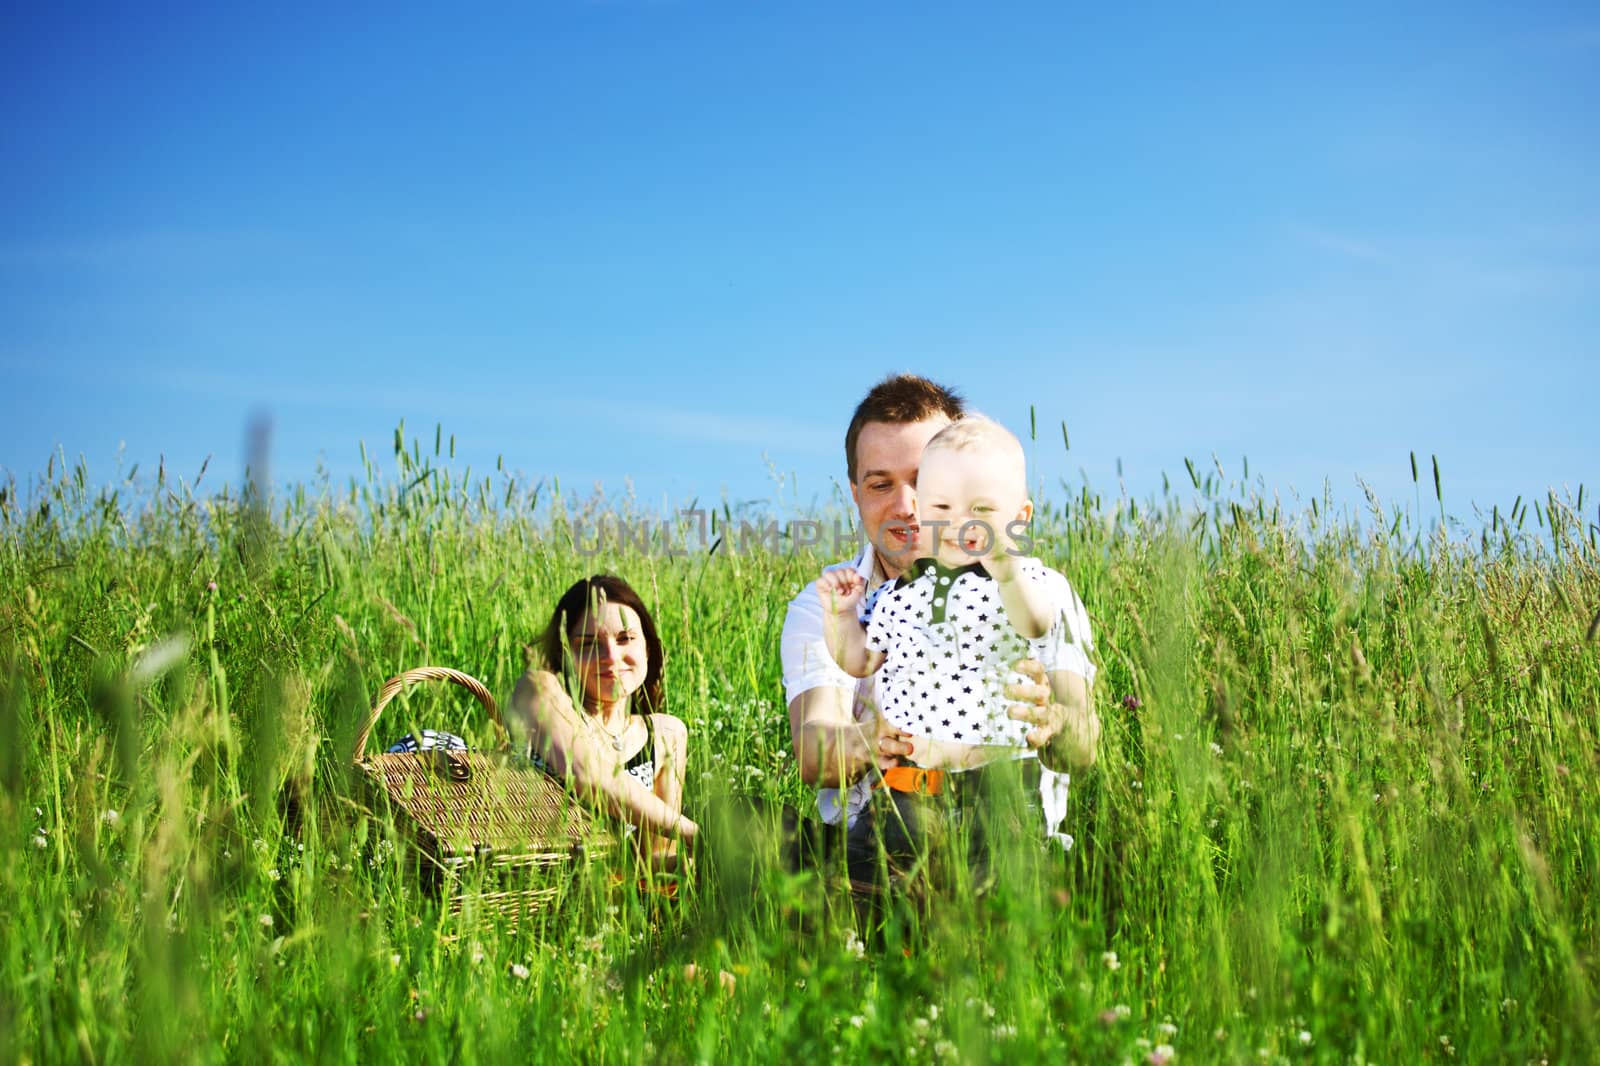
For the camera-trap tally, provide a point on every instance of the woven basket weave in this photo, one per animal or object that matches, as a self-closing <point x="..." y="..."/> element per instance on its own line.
<point x="487" y="827"/>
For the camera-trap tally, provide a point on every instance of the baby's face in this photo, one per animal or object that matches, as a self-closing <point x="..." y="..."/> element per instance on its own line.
<point x="975" y="493"/>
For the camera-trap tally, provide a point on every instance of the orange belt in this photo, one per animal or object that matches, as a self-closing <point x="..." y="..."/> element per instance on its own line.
<point x="913" y="779"/>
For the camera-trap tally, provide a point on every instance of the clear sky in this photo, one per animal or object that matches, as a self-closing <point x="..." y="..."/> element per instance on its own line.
<point x="674" y="242"/>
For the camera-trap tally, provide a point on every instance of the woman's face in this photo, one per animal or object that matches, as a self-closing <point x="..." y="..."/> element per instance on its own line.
<point x="609" y="651"/>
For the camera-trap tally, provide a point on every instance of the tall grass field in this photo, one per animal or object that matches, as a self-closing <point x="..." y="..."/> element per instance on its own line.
<point x="1345" y="809"/>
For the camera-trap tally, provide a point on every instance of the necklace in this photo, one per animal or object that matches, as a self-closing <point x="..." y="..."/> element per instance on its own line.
<point x="616" y="738"/>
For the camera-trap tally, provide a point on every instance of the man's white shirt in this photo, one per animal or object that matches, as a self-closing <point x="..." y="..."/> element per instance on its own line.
<point x="807" y="665"/>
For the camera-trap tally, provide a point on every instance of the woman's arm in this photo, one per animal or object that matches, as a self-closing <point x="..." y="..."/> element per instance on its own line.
<point x="557" y="731"/>
<point x="672" y="749"/>
<point x="671" y="754"/>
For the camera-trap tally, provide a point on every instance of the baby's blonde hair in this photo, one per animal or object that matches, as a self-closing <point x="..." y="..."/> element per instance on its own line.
<point x="975" y="432"/>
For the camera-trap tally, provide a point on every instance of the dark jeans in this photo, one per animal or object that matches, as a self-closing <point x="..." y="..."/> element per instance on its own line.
<point x="912" y="841"/>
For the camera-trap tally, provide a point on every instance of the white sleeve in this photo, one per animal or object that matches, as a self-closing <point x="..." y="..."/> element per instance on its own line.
<point x="1068" y="645"/>
<point x="806" y="662"/>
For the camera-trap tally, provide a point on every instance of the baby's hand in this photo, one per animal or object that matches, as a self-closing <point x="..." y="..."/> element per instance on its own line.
<point x="1000" y="561"/>
<point x="841" y="590"/>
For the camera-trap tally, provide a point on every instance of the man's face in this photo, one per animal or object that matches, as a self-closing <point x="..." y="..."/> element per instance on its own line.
<point x="885" y="489"/>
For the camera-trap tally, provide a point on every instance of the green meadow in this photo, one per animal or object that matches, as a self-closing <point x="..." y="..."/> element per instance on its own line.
<point x="1345" y="809"/>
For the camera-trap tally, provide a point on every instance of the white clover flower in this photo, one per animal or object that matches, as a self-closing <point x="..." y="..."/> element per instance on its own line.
<point x="1304" y="1037"/>
<point x="111" y="818"/>
<point x="1110" y="960"/>
<point x="1167" y="1029"/>
<point x="1161" y="1054"/>
<point x="40" y="841"/>
<point x="519" y="971"/>
<point x="1216" y="749"/>
<point x="1122" y="1011"/>
<point x="857" y="1021"/>
<point x="266" y="921"/>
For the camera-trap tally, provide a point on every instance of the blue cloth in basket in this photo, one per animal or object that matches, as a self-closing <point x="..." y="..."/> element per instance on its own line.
<point x="431" y="738"/>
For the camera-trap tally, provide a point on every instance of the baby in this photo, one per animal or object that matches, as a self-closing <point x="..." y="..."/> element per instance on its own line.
<point x="949" y="630"/>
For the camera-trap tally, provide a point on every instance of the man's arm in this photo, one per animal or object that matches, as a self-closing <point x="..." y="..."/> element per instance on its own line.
<point x="1066" y="731"/>
<point x="1076" y="743"/>
<point x="831" y="747"/>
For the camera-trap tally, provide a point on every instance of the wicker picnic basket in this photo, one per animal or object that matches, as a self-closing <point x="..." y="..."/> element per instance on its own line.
<point x="487" y="826"/>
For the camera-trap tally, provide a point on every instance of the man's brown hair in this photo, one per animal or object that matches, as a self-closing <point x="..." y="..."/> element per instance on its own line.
<point x="899" y="400"/>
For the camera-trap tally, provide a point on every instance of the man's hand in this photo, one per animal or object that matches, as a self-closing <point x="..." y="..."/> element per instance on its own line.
<point x="891" y="744"/>
<point x="834" y="749"/>
<point x="841" y="590"/>
<point x="1066" y="730"/>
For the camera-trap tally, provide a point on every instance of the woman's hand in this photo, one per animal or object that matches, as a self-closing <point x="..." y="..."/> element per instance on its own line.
<point x="1066" y="731"/>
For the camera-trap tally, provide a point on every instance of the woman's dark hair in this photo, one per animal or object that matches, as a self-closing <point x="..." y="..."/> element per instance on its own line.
<point x="577" y="602"/>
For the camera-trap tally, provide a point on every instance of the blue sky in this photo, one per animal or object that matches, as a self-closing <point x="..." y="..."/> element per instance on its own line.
<point x="670" y="244"/>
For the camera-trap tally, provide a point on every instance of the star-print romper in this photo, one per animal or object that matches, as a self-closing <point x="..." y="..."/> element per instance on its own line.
<point x="949" y="649"/>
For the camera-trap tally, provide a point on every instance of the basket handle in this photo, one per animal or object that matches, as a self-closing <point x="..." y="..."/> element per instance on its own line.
<point x="396" y="685"/>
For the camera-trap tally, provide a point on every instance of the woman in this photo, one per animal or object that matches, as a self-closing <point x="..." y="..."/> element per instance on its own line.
<point x="615" y="746"/>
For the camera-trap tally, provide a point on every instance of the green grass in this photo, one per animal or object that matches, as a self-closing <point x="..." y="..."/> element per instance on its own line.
<point x="1352" y="817"/>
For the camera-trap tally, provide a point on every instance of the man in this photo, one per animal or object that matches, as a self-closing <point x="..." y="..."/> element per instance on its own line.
<point x="842" y="746"/>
